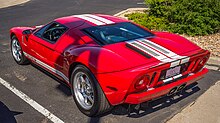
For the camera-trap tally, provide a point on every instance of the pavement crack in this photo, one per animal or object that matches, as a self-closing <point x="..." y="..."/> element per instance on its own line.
<point x="192" y="103"/>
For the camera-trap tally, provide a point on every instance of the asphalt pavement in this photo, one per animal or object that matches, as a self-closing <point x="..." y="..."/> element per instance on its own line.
<point x="56" y="97"/>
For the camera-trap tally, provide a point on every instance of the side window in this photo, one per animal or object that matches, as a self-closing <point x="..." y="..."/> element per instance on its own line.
<point x="41" y="31"/>
<point x="51" y="32"/>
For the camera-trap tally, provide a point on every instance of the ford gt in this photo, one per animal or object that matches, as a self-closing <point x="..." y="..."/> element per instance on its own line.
<point x="107" y="61"/>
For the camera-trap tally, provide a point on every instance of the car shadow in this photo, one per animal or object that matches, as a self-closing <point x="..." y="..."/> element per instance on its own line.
<point x="148" y="107"/>
<point x="62" y="87"/>
<point x="155" y="105"/>
<point x="65" y="89"/>
<point x="6" y="115"/>
<point x="94" y="120"/>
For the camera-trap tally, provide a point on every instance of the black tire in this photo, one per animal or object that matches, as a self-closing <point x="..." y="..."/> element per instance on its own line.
<point x="101" y="104"/>
<point x="23" y="60"/>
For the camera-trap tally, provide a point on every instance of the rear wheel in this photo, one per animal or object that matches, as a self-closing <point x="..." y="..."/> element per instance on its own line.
<point x="17" y="51"/>
<point x="87" y="93"/>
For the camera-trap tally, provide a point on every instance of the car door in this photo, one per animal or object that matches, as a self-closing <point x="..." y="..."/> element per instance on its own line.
<point x="42" y="45"/>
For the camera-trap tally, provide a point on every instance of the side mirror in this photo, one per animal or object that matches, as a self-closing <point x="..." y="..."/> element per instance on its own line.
<point x="27" y="32"/>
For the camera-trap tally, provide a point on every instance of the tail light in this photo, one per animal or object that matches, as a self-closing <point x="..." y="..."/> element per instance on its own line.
<point x="184" y="67"/>
<point x="141" y="83"/>
<point x="162" y="75"/>
<point x="199" y="64"/>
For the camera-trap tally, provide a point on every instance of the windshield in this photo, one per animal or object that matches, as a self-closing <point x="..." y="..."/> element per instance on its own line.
<point x="115" y="33"/>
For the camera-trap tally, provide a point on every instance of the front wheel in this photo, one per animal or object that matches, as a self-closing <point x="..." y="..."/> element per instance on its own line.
<point x="87" y="92"/>
<point x="17" y="51"/>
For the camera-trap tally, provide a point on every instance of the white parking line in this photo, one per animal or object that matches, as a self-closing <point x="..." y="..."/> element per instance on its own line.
<point x="31" y="102"/>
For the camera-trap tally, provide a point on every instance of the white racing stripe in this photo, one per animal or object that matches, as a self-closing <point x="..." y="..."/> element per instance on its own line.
<point x="100" y="19"/>
<point x="97" y="20"/>
<point x="92" y="20"/>
<point x="161" y="49"/>
<point x="39" y="26"/>
<point x="150" y="51"/>
<point x="167" y="52"/>
<point x="47" y="66"/>
<point x="161" y="53"/>
<point x="31" y="102"/>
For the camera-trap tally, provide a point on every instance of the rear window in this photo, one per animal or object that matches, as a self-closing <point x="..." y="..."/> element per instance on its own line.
<point x="109" y="34"/>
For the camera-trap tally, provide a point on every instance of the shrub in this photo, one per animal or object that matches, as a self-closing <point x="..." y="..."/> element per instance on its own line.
<point x="150" y="22"/>
<point x="192" y="17"/>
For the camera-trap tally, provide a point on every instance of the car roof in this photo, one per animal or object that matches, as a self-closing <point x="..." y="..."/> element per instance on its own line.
<point x="90" y="19"/>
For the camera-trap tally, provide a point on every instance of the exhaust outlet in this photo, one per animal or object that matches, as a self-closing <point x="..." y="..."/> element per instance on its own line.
<point x="181" y="87"/>
<point x="176" y="89"/>
<point x="172" y="91"/>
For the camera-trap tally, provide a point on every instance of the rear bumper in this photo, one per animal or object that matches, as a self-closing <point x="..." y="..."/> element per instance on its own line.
<point x="138" y="98"/>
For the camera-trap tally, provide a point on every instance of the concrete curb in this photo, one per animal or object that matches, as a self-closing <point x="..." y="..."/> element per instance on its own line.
<point x="213" y="62"/>
<point x="129" y="11"/>
<point x="8" y="3"/>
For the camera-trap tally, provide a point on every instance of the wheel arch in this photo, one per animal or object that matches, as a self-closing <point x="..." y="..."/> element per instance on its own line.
<point x="12" y="34"/>
<point x="104" y="104"/>
<point x="72" y="66"/>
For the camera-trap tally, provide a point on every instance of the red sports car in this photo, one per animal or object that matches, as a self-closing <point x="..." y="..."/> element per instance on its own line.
<point x="107" y="60"/>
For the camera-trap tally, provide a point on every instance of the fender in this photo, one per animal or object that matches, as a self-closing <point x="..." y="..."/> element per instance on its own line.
<point x="97" y="59"/>
<point x="17" y="31"/>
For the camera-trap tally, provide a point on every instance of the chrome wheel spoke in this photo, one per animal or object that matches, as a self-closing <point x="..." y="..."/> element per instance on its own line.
<point x="87" y="81"/>
<point x="86" y="100"/>
<point x="90" y="99"/>
<point x="81" y="96"/>
<point x="83" y="90"/>
<point x="88" y="86"/>
<point x="82" y="80"/>
<point x="79" y="86"/>
<point x="18" y="57"/>
<point x="17" y="45"/>
<point x="13" y="45"/>
<point x="16" y="50"/>
<point x="20" y="53"/>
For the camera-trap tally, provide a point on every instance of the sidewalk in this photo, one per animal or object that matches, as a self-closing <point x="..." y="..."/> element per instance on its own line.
<point x="206" y="109"/>
<point x="7" y="3"/>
